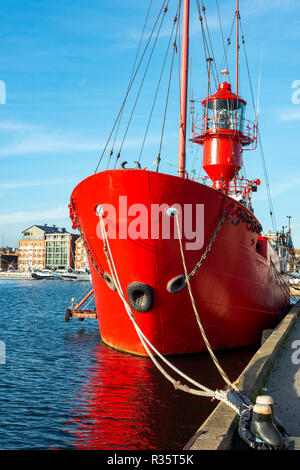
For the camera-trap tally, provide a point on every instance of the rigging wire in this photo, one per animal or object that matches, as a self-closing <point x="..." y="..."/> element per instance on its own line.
<point x="131" y="75"/>
<point x="223" y="41"/>
<point x="130" y="86"/>
<point x="142" y="82"/>
<point x="205" y="46"/>
<point x="167" y="98"/>
<point x="209" y="43"/>
<point x="228" y="42"/>
<point x="159" y="81"/>
<point x="195" y="160"/>
<point x="268" y="189"/>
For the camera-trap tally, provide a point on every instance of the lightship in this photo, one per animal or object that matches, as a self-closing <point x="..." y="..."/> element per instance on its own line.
<point x="234" y="270"/>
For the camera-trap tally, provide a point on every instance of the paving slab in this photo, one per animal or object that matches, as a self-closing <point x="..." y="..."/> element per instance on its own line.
<point x="283" y="383"/>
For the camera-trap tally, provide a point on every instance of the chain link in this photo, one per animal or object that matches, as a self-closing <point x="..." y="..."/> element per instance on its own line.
<point x="212" y="240"/>
<point x="75" y="218"/>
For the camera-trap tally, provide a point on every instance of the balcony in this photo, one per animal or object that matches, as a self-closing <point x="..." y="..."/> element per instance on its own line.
<point x="213" y="126"/>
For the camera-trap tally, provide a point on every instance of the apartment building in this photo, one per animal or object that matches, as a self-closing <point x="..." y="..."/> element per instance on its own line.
<point x="46" y="246"/>
<point x="81" y="260"/>
<point x="32" y="249"/>
<point x="60" y="249"/>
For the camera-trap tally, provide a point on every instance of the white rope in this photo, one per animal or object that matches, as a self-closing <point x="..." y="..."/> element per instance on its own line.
<point x="210" y="350"/>
<point x="204" y="391"/>
<point x="84" y="293"/>
<point x="90" y="300"/>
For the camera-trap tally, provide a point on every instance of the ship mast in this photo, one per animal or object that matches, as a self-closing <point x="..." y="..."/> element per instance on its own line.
<point x="183" y="89"/>
<point x="237" y="49"/>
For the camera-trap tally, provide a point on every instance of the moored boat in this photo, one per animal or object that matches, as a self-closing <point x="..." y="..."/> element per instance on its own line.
<point x="45" y="274"/>
<point x="234" y="271"/>
<point x="73" y="275"/>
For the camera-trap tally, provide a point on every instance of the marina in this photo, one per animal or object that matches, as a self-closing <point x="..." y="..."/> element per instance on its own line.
<point x="47" y="274"/>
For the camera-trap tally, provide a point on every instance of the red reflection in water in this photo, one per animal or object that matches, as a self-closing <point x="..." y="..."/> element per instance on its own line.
<point x="128" y="404"/>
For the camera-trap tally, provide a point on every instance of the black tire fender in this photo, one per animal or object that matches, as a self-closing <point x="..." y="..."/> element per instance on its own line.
<point x="140" y="296"/>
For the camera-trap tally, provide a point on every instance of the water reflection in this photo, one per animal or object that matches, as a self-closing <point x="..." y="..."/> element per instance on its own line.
<point x="128" y="404"/>
<point x="62" y="388"/>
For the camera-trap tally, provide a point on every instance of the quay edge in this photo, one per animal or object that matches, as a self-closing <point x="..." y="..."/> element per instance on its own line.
<point x="13" y="275"/>
<point x="219" y="430"/>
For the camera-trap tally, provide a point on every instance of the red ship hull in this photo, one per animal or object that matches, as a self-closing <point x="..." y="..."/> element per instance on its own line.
<point x="236" y="289"/>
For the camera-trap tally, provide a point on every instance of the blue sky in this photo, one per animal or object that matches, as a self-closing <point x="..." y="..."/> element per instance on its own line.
<point x="66" y="67"/>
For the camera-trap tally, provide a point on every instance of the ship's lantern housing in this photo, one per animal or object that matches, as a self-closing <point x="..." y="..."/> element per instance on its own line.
<point x="224" y="114"/>
<point x="223" y="131"/>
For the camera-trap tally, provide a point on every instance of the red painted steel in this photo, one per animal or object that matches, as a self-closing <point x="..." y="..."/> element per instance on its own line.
<point x="236" y="290"/>
<point x="223" y="135"/>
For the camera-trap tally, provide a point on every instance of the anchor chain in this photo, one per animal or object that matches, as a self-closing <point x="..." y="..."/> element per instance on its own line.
<point x="74" y="218"/>
<point x="212" y="240"/>
<point x="252" y="224"/>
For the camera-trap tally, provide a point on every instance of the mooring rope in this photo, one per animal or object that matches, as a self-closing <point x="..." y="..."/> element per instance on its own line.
<point x="187" y="278"/>
<point x="221" y="395"/>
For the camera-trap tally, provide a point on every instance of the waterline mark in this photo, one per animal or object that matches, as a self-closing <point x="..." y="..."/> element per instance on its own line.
<point x="156" y="221"/>
<point x="2" y="352"/>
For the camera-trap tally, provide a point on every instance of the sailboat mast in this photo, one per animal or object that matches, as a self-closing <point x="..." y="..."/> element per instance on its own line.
<point x="183" y="89"/>
<point x="237" y="48"/>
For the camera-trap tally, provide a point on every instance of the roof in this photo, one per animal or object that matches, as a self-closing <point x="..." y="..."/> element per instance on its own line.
<point x="224" y="93"/>
<point x="47" y="228"/>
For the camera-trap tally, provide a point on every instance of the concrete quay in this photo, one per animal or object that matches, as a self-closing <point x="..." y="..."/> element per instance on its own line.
<point x="14" y="275"/>
<point x="274" y="370"/>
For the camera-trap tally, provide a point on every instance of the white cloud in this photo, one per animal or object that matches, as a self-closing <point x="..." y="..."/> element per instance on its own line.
<point x="258" y="7"/>
<point x="17" y="126"/>
<point x="30" y="184"/>
<point x="289" y="114"/>
<point x="59" y="213"/>
<point x="130" y="37"/>
<point x="51" y="144"/>
<point x="45" y="143"/>
<point x="29" y="139"/>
